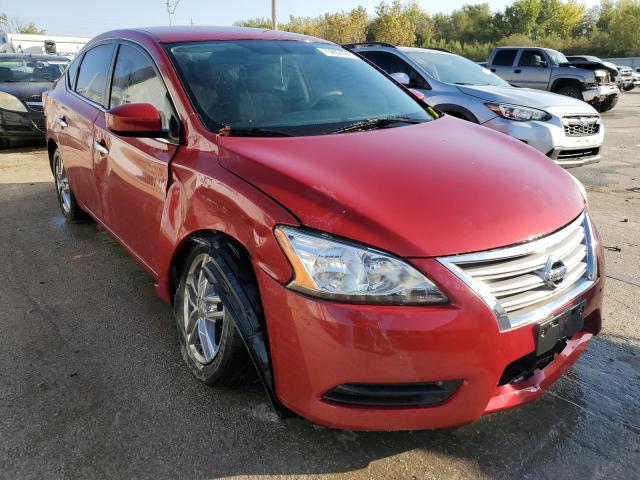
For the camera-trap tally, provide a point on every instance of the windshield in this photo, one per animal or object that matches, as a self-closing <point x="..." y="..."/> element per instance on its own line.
<point x="449" y="68"/>
<point x="556" y="57"/>
<point x="295" y="88"/>
<point x="29" y="70"/>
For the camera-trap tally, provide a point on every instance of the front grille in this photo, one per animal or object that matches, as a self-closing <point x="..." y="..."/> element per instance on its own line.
<point x="35" y="106"/>
<point x="581" y="125"/>
<point x="522" y="283"/>
<point x="39" y="122"/>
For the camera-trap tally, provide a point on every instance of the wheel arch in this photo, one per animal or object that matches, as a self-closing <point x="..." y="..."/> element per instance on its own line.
<point x="51" y="148"/>
<point x="457" y="111"/>
<point x="566" y="82"/>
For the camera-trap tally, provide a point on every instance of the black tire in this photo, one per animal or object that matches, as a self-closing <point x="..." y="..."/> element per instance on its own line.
<point x="570" y="91"/>
<point x="608" y="104"/>
<point x="66" y="199"/>
<point x="231" y="364"/>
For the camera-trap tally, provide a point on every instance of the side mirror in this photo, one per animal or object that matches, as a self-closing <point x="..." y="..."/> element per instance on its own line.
<point x="419" y="95"/>
<point x="401" y="77"/>
<point x="134" y="120"/>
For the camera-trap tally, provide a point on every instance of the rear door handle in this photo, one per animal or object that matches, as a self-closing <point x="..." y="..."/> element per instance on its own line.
<point x="100" y="147"/>
<point x="62" y="122"/>
<point x="517" y="70"/>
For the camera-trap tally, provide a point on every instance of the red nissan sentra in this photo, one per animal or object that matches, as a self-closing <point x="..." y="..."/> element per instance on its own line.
<point x="382" y="266"/>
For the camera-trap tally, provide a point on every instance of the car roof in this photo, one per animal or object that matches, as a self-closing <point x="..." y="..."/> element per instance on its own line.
<point x="34" y="57"/>
<point x="192" y="33"/>
<point x="419" y="49"/>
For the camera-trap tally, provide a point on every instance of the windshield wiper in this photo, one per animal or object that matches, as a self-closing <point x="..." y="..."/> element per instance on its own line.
<point x="375" y="123"/>
<point x="228" y="131"/>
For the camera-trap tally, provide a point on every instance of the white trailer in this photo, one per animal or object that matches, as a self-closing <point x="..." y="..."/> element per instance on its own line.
<point x="41" y="44"/>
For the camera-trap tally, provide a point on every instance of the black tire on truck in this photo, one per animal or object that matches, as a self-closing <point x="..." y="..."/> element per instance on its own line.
<point x="608" y="103"/>
<point x="570" y="91"/>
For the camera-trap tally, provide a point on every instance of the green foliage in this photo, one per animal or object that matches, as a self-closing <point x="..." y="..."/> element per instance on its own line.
<point x="611" y="28"/>
<point x="15" y="25"/>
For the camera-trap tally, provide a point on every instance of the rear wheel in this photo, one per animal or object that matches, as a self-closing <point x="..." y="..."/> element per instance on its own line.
<point x="66" y="199"/>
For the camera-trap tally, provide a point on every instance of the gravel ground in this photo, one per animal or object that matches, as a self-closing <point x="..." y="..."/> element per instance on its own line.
<point x="92" y="384"/>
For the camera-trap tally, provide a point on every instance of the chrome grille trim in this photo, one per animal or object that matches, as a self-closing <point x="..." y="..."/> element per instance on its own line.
<point x="506" y="278"/>
<point x="36" y="106"/>
<point x="581" y="125"/>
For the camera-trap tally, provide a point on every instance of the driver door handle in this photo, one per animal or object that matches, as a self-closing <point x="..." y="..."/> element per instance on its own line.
<point x="62" y="122"/>
<point x="517" y="70"/>
<point x="100" y="147"/>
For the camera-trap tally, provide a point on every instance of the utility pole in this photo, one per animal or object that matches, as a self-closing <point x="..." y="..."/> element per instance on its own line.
<point x="274" y="15"/>
<point x="171" y="8"/>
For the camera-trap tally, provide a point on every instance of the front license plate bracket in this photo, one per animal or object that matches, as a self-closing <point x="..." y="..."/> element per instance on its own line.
<point x="564" y="325"/>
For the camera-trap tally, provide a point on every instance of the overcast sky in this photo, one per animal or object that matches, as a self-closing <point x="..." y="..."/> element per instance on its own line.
<point x="90" y="17"/>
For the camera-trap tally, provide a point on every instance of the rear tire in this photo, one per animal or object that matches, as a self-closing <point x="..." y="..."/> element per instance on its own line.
<point x="608" y="104"/>
<point x="66" y="199"/>
<point x="210" y="344"/>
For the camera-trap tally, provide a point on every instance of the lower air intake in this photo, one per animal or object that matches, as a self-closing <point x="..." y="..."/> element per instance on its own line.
<point x="393" y="394"/>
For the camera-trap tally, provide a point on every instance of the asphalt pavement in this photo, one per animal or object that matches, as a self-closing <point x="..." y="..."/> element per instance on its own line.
<point x="92" y="384"/>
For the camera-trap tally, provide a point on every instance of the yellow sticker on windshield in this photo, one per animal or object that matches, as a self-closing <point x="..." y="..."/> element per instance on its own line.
<point x="334" y="52"/>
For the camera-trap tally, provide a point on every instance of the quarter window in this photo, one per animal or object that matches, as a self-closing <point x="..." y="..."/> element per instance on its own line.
<point x="94" y="70"/>
<point x="136" y="80"/>
<point x="504" y="58"/>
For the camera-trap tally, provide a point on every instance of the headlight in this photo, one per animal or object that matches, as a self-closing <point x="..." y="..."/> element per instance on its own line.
<point x="9" y="102"/>
<point x="518" y="113"/>
<point x="337" y="270"/>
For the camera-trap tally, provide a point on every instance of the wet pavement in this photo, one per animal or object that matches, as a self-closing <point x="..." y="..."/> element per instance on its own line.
<point x="92" y="384"/>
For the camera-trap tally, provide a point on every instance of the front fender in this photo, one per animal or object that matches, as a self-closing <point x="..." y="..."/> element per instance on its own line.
<point x="211" y="198"/>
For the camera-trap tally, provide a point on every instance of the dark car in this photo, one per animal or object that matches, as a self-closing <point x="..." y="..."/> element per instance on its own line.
<point x="23" y="78"/>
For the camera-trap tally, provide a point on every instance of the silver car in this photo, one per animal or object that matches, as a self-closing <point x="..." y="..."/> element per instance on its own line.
<point x="565" y="129"/>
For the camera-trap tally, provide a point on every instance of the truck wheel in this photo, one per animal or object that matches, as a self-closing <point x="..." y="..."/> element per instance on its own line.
<point x="570" y="91"/>
<point x="608" y="103"/>
<point x="210" y="344"/>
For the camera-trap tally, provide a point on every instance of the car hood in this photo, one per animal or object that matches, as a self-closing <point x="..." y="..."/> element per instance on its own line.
<point x="438" y="188"/>
<point x="526" y="97"/>
<point x="589" y="65"/>
<point x="25" y="90"/>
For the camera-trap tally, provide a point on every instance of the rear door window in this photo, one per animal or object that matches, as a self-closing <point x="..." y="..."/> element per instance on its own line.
<point x="136" y="80"/>
<point x="504" y="58"/>
<point x="93" y="74"/>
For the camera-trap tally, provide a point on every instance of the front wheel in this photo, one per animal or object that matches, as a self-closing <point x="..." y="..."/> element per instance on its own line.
<point x="210" y="343"/>
<point x="66" y="199"/>
<point x="570" y="91"/>
<point x="608" y="103"/>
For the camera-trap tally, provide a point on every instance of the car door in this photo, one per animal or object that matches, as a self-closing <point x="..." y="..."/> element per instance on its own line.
<point x="502" y="64"/>
<point x="133" y="173"/>
<point x="533" y="69"/>
<point x="75" y="113"/>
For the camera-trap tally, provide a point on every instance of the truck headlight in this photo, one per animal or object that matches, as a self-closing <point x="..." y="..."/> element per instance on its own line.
<point x="337" y="270"/>
<point x="518" y="113"/>
<point x="9" y="102"/>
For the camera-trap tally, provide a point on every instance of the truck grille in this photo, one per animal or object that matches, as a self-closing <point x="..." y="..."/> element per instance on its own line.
<point x="525" y="283"/>
<point x="581" y="125"/>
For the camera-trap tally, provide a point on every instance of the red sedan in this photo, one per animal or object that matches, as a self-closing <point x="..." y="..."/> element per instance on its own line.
<point x="382" y="266"/>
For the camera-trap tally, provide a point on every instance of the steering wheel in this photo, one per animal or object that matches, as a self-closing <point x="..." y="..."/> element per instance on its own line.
<point x="324" y="96"/>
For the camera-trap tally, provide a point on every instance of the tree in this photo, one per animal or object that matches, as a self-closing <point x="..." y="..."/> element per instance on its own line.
<point x="392" y="25"/>
<point x="345" y="27"/>
<point x="257" y="22"/>
<point x="15" y="25"/>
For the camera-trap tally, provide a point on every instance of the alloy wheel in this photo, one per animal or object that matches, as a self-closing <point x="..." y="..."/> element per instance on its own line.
<point x="204" y="313"/>
<point x="62" y="184"/>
